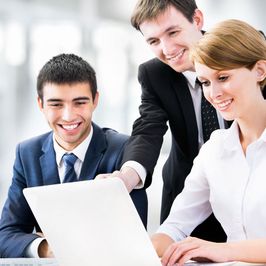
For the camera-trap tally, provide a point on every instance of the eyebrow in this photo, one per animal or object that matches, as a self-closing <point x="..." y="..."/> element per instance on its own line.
<point x="83" y="98"/>
<point x="54" y="100"/>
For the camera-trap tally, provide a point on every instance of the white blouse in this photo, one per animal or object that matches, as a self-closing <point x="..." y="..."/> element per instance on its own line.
<point x="227" y="182"/>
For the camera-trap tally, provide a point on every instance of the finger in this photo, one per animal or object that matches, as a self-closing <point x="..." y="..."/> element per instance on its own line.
<point x="183" y="251"/>
<point x="181" y="248"/>
<point x="116" y="174"/>
<point x="40" y="234"/>
<point x="102" y="176"/>
<point x="190" y="255"/>
<point x="168" y="253"/>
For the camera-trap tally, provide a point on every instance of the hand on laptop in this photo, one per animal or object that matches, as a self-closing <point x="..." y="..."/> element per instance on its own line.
<point x="128" y="175"/>
<point x="44" y="250"/>
<point x="192" y="248"/>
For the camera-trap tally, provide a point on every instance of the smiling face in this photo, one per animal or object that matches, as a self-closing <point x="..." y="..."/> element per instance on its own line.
<point x="68" y="109"/>
<point x="232" y="92"/>
<point x="171" y="35"/>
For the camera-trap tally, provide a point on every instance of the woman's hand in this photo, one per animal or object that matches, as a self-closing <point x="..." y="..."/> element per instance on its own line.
<point x="196" y="249"/>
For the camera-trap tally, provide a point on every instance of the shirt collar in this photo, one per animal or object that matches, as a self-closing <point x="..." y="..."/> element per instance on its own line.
<point x="79" y="151"/>
<point x="232" y="140"/>
<point x="191" y="78"/>
<point x="263" y="135"/>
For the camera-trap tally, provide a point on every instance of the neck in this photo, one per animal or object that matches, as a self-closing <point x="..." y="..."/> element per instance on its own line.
<point x="252" y="126"/>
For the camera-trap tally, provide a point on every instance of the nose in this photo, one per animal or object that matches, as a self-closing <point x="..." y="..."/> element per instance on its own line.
<point x="68" y="113"/>
<point x="215" y="91"/>
<point x="168" y="47"/>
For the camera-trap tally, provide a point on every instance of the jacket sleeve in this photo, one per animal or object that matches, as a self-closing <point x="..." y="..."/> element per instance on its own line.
<point x="112" y="157"/>
<point x="17" y="221"/>
<point x="146" y="138"/>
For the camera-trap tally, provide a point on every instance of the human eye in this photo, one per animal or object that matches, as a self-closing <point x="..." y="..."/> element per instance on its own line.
<point x="205" y="83"/>
<point x="223" y="78"/>
<point x="81" y="102"/>
<point x="173" y="33"/>
<point x="153" y="42"/>
<point x="55" y="104"/>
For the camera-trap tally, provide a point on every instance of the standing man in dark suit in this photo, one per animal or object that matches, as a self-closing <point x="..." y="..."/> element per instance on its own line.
<point x="67" y="96"/>
<point x="171" y="95"/>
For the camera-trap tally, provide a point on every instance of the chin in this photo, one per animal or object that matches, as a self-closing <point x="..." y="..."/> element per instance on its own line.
<point x="182" y="67"/>
<point x="228" y="117"/>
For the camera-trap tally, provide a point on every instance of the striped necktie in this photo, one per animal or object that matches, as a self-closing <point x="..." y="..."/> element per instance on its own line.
<point x="69" y="160"/>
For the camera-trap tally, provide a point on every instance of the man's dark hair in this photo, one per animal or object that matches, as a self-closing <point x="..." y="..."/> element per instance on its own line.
<point x="66" y="69"/>
<point x="150" y="9"/>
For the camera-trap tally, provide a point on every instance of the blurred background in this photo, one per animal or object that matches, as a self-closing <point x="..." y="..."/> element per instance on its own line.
<point x="33" y="31"/>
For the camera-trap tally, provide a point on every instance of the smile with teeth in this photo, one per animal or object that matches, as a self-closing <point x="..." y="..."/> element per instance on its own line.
<point x="224" y="104"/>
<point x="177" y="56"/>
<point x="70" y="127"/>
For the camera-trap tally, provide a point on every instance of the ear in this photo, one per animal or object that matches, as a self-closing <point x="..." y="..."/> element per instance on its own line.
<point x="198" y="19"/>
<point x="95" y="101"/>
<point x="260" y="68"/>
<point x="40" y="103"/>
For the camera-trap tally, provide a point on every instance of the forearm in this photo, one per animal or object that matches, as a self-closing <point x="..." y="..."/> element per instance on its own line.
<point x="161" y="242"/>
<point x="13" y="245"/>
<point x="248" y="251"/>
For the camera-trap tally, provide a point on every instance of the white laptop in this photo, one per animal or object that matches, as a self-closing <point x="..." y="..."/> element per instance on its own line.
<point x="92" y="223"/>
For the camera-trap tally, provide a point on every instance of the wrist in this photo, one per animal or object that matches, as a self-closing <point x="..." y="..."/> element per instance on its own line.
<point x="130" y="177"/>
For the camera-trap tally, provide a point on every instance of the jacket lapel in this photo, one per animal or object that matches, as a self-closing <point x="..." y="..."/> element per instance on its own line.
<point x="94" y="154"/>
<point x="48" y="162"/>
<point x="183" y="94"/>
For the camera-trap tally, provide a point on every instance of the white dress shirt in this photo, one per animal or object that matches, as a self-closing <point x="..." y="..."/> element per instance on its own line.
<point x="80" y="152"/>
<point x="229" y="183"/>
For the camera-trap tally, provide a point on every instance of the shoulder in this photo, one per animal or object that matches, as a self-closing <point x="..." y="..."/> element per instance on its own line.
<point x="112" y="136"/>
<point x="35" y="142"/>
<point x="109" y="135"/>
<point x="156" y="66"/>
<point x="158" y="72"/>
<point x="219" y="141"/>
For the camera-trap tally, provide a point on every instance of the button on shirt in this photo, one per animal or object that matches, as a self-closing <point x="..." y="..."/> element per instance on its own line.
<point x="229" y="183"/>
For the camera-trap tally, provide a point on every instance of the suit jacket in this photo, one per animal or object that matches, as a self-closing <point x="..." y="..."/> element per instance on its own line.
<point x="35" y="165"/>
<point x="166" y="99"/>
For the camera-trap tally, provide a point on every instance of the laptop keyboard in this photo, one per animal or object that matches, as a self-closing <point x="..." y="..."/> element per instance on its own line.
<point x="28" y="262"/>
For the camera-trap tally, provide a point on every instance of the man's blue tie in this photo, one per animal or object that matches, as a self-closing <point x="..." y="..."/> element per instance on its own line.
<point x="69" y="160"/>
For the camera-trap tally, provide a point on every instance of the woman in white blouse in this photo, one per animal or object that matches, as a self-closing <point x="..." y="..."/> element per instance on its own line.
<point x="229" y="175"/>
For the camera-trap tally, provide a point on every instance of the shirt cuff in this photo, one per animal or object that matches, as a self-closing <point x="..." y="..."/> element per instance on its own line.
<point x="32" y="249"/>
<point x="141" y="171"/>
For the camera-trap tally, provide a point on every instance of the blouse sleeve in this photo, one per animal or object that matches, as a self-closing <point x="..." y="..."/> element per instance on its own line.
<point x="191" y="207"/>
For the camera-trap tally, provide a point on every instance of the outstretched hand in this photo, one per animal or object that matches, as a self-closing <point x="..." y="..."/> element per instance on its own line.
<point x="127" y="174"/>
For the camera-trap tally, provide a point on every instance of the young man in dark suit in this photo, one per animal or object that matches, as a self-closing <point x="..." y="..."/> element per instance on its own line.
<point x="170" y="94"/>
<point x="67" y="96"/>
